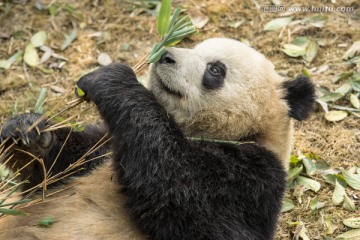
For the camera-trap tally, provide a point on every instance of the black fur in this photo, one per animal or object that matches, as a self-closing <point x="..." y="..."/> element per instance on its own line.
<point x="180" y="189"/>
<point x="300" y="95"/>
<point x="76" y="146"/>
<point x="214" y="75"/>
<point x="177" y="189"/>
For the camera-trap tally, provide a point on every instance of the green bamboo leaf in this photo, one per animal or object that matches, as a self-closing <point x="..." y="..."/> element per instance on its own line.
<point x="14" y="212"/>
<point x="311" y="50"/>
<point x="355" y="101"/>
<point x="294" y="172"/>
<point x="180" y="23"/>
<point x="309" y="166"/>
<point x="164" y="17"/>
<point x="155" y="48"/>
<point x="344" y="89"/>
<point x="17" y="202"/>
<point x="31" y="56"/>
<point x="335" y="116"/>
<point x="38" y="39"/>
<point x="329" y="227"/>
<point x="317" y="20"/>
<point x="352" y="179"/>
<point x="69" y="39"/>
<point x="46" y="222"/>
<point x="45" y="69"/>
<point x="293" y="50"/>
<point x="353" y="51"/>
<point x="185" y="21"/>
<point x="16" y="57"/>
<point x="301" y="41"/>
<point x="174" y="40"/>
<point x="6" y="64"/>
<point x="331" y="97"/>
<point x="333" y="178"/>
<point x="309" y="183"/>
<point x="287" y="205"/>
<point x="350" y="235"/>
<point x="40" y="101"/>
<point x="356" y="75"/>
<point x="338" y="194"/>
<point x="174" y="17"/>
<point x="342" y="76"/>
<point x="356" y="85"/>
<point x="80" y="92"/>
<point x="315" y="204"/>
<point x="352" y="222"/>
<point x="10" y="193"/>
<point x="156" y="56"/>
<point x="294" y="160"/>
<point x="182" y="32"/>
<point x="53" y="10"/>
<point x="303" y="232"/>
<point x="277" y="23"/>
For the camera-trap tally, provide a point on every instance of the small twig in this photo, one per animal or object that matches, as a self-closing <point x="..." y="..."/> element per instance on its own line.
<point x="41" y="161"/>
<point x="64" y="110"/>
<point x="57" y="156"/>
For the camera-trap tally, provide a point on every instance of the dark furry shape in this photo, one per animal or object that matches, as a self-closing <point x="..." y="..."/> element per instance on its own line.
<point x="47" y="146"/>
<point x="179" y="189"/>
<point x="300" y="97"/>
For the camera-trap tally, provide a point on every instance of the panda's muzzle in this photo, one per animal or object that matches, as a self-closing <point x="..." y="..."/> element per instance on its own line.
<point x="167" y="58"/>
<point x="168" y="89"/>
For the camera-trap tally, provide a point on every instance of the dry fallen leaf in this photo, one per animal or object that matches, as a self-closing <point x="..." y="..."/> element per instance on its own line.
<point x="277" y="23"/>
<point x="38" y="39"/>
<point x="198" y="18"/>
<point x="353" y="51"/>
<point x="57" y="89"/>
<point x="335" y="116"/>
<point x="355" y="101"/>
<point x="104" y="59"/>
<point x="31" y="56"/>
<point x="352" y="222"/>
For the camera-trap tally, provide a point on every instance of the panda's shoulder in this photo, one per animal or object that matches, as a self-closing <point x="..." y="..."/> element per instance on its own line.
<point x="258" y="161"/>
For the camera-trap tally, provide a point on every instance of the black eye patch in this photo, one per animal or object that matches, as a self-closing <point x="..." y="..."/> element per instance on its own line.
<point x="214" y="75"/>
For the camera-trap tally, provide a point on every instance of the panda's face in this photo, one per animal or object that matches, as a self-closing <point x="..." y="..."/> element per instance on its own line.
<point x="223" y="89"/>
<point x="217" y="75"/>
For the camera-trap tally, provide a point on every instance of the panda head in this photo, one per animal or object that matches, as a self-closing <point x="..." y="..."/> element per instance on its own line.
<point x="223" y="89"/>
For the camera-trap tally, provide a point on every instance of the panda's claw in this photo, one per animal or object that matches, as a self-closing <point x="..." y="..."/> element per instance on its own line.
<point x="18" y="129"/>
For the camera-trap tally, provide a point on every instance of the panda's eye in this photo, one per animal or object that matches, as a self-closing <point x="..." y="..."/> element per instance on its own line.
<point x="214" y="75"/>
<point x="215" y="70"/>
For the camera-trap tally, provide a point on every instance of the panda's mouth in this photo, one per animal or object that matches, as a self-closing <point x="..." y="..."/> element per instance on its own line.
<point x="169" y="89"/>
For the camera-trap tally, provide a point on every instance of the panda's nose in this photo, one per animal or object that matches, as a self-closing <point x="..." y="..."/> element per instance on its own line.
<point x="167" y="58"/>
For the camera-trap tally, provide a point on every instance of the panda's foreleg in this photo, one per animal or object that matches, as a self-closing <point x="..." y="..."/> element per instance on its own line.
<point x="26" y="139"/>
<point x="145" y="137"/>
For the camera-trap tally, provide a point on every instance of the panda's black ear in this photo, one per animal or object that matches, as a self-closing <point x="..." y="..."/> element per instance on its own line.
<point x="300" y="96"/>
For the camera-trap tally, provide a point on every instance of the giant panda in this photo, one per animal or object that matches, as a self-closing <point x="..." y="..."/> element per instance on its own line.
<point x="201" y="154"/>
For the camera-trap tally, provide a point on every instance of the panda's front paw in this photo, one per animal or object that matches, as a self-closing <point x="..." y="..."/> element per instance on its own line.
<point x="103" y="81"/>
<point x="26" y="130"/>
<point x="85" y="85"/>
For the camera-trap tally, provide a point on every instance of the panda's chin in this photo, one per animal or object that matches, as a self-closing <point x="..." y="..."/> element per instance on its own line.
<point x="168" y="89"/>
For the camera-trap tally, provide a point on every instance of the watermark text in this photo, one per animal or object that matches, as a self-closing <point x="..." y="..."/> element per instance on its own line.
<point x="316" y="9"/>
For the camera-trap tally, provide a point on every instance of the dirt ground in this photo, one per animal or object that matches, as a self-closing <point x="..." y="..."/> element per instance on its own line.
<point x="126" y="35"/>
